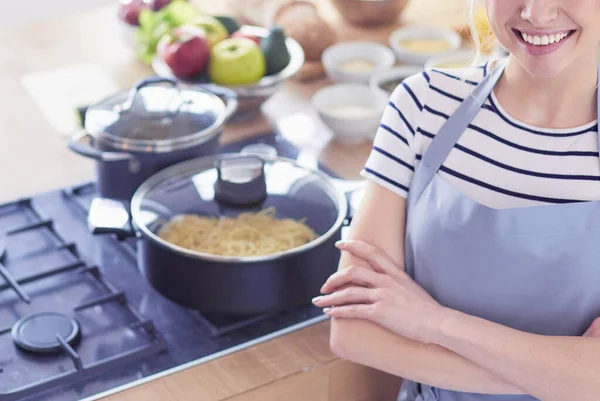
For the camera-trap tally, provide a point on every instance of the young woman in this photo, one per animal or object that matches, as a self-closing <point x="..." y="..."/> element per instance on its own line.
<point x="473" y="266"/>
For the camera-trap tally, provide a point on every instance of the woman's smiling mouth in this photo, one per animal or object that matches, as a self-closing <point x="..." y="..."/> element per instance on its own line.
<point x="541" y="43"/>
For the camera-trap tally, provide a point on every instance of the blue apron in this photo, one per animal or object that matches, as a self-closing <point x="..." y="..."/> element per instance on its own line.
<point x="535" y="269"/>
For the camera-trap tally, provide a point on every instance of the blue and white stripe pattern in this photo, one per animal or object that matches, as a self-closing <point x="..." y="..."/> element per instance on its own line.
<point x="499" y="161"/>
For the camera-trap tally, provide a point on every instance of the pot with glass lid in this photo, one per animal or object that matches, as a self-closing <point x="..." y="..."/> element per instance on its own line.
<point x="137" y="132"/>
<point x="237" y="233"/>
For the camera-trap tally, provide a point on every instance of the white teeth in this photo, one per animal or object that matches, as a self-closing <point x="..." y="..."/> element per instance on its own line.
<point x="544" y="40"/>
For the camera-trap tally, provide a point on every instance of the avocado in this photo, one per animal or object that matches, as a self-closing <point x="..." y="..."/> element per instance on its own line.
<point x="230" y="23"/>
<point x="275" y="50"/>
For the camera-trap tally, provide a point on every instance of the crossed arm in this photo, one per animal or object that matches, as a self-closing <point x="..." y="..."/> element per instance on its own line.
<point x="411" y="336"/>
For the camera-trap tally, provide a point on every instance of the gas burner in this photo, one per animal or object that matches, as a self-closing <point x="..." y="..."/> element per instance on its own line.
<point x="46" y="332"/>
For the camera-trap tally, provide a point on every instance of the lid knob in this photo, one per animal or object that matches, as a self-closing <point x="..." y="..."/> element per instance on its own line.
<point x="149" y="81"/>
<point x="240" y="179"/>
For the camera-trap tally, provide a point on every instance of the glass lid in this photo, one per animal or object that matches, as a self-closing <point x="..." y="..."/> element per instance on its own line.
<point x="156" y="113"/>
<point x="239" y="207"/>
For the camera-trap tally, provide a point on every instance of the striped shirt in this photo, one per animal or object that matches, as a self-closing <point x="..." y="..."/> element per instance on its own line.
<point x="498" y="161"/>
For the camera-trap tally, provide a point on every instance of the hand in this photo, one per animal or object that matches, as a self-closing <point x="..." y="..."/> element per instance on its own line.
<point x="594" y="330"/>
<point x="381" y="292"/>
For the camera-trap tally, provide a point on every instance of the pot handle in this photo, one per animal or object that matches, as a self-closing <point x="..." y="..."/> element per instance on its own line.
<point x="230" y="96"/>
<point x="76" y="145"/>
<point x="109" y="216"/>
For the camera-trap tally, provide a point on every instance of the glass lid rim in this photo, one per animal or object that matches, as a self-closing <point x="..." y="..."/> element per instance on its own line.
<point x="182" y="140"/>
<point x="337" y="195"/>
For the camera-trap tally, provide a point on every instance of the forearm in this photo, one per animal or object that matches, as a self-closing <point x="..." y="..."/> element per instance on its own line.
<point x="425" y="363"/>
<point x="550" y="368"/>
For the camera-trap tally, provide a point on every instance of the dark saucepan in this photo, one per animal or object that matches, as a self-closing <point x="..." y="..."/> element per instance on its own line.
<point x="241" y="285"/>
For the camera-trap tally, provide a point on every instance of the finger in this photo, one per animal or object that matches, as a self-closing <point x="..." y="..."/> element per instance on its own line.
<point x="350" y="295"/>
<point x="378" y="259"/>
<point x="350" y="312"/>
<point x="353" y="274"/>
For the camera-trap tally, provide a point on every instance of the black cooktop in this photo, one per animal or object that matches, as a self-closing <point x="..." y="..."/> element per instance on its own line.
<point x="76" y="316"/>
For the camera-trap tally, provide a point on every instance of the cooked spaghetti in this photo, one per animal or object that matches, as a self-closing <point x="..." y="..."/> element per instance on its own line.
<point x="248" y="234"/>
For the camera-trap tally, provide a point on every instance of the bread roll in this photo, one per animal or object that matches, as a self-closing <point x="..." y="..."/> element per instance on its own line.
<point x="301" y="21"/>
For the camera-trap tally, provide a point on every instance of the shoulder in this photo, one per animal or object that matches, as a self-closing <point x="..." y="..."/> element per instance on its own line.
<point x="430" y="84"/>
<point x="458" y="82"/>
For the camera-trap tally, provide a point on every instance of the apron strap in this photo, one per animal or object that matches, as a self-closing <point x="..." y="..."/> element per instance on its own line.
<point x="598" y="109"/>
<point x="458" y="122"/>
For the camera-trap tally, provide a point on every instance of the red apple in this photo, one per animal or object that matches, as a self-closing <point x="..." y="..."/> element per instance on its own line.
<point x="185" y="50"/>
<point x="240" y="34"/>
<point x="129" y="11"/>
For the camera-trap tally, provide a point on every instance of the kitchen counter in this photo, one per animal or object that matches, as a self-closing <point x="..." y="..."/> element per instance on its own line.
<point x="34" y="158"/>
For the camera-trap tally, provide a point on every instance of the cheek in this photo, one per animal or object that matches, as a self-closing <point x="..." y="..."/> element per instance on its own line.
<point x="587" y="16"/>
<point x="500" y="13"/>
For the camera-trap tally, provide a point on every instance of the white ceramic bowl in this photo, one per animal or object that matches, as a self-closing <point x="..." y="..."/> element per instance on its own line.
<point x="398" y="74"/>
<point x="337" y="60"/>
<point x="422" y="33"/>
<point x="352" y="111"/>
<point x="455" y="59"/>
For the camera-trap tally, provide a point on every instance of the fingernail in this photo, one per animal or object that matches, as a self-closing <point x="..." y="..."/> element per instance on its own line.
<point x="316" y="299"/>
<point x="326" y="310"/>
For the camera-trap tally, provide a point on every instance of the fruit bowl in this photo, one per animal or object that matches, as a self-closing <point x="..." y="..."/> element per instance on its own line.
<point x="252" y="96"/>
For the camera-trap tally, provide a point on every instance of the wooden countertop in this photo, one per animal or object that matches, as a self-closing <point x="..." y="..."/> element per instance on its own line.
<point x="35" y="159"/>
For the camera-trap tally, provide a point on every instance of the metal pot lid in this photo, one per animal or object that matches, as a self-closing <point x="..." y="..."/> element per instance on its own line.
<point x="173" y="207"/>
<point x="158" y="114"/>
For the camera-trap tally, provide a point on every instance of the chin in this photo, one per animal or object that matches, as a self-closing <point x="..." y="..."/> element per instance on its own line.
<point x="541" y="67"/>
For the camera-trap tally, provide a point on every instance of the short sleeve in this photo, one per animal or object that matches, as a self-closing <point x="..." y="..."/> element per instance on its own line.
<point x="391" y="162"/>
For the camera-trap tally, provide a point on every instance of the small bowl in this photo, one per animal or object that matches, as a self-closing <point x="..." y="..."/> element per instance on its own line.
<point x="356" y="61"/>
<point x="410" y="56"/>
<point x="397" y="74"/>
<point x="370" y="12"/>
<point x="352" y="111"/>
<point x="455" y="60"/>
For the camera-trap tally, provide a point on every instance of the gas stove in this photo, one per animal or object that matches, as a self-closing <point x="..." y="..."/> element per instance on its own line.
<point x="79" y="321"/>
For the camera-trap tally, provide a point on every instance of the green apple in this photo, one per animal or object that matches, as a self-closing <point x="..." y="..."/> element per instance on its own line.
<point x="215" y="30"/>
<point x="236" y="61"/>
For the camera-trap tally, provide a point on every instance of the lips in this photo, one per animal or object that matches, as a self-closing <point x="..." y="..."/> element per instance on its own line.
<point x="539" y="43"/>
<point x="543" y="40"/>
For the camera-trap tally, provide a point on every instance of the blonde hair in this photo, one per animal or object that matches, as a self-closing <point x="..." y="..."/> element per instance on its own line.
<point x="480" y="41"/>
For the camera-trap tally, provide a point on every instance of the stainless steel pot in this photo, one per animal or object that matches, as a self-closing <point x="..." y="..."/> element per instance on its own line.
<point x="138" y="132"/>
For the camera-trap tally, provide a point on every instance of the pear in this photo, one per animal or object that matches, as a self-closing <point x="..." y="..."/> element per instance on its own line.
<point x="275" y="50"/>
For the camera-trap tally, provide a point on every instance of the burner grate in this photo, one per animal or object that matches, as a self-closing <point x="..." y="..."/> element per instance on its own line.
<point x="32" y="289"/>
